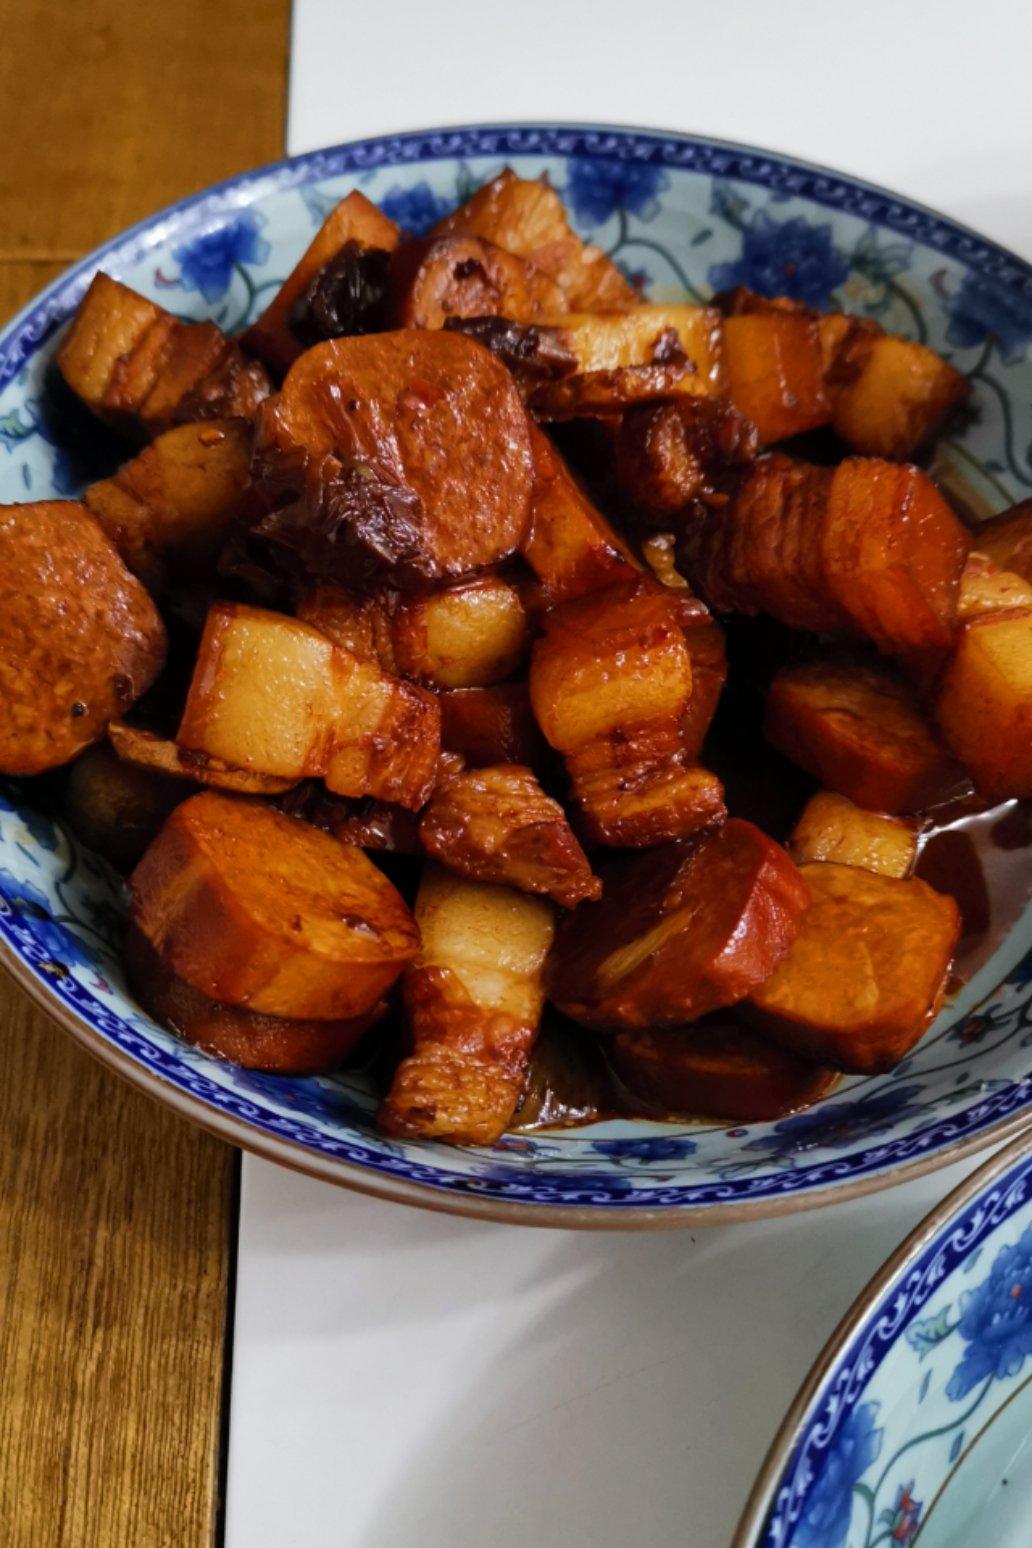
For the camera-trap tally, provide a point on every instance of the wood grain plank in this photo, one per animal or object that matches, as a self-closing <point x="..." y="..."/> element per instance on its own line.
<point x="115" y="1217"/>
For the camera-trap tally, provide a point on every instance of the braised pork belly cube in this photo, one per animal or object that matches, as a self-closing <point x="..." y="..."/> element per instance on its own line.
<point x="80" y="638"/>
<point x="869" y="547"/>
<point x="469" y="635"/>
<point x="273" y="695"/>
<point x="867" y="971"/>
<point x="986" y="588"/>
<point x="396" y="458"/>
<point x="705" y="640"/>
<point x="890" y="396"/>
<point x="261" y="910"/>
<point x="669" y="454"/>
<point x="679" y="932"/>
<point x="468" y="276"/>
<point x="359" y="623"/>
<point x="832" y="828"/>
<point x="474" y="998"/>
<point x="984" y="703"/>
<point x="170" y="510"/>
<point x="278" y="1044"/>
<point x="491" y="725"/>
<point x="861" y="733"/>
<point x="338" y="285"/>
<point x="610" y="683"/>
<point x="142" y="370"/>
<point x="774" y="372"/>
<point x="527" y="218"/>
<point x="570" y="545"/>
<point x="498" y="825"/>
<point x="1007" y="539"/>
<point x="715" y="1069"/>
<point x="647" y="336"/>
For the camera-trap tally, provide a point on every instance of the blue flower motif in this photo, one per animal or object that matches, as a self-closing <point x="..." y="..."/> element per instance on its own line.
<point x="597" y="189"/>
<point x="784" y="258"/>
<point x="206" y="264"/>
<point x="824" y="1522"/>
<point x="996" y="1320"/>
<point x="416" y="209"/>
<point x="656" y="1148"/>
<point x="33" y="909"/>
<point x="834" y="1125"/>
<point x="983" y="308"/>
<point x="43" y="829"/>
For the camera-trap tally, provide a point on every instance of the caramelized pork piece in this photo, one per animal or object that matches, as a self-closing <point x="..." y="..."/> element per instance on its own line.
<point x="491" y="725"/>
<point x="679" y="932"/>
<point x="570" y="546"/>
<point x="255" y="1041"/>
<point x="272" y="695"/>
<point x="1007" y="539"/>
<point x="867" y="972"/>
<point x="498" y="825"/>
<point x="870" y="547"/>
<point x="338" y="285"/>
<point x="705" y="640"/>
<point x="889" y="396"/>
<point x="775" y="372"/>
<point x="260" y="910"/>
<point x="143" y="371"/>
<point x="668" y="454"/>
<point x="985" y="588"/>
<point x="467" y="276"/>
<point x="861" y="733"/>
<point x="984" y="703"/>
<point x="528" y="218"/>
<point x="80" y="639"/>
<point x="398" y="456"/>
<point x="170" y="510"/>
<point x="147" y="750"/>
<point x="474" y="998"/>
<point x="610" y="684"/>
<point x="116" y="808"/>
<point x="885" y="396"/>
<point x="470" y="635"/>
<point x="663" y="336"/>
<point x="715" y="1070"/>
<point x="832" y="828"/>
<point x="357" y="622"/>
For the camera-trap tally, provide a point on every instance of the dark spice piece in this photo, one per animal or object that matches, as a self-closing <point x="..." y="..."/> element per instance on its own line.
<point x="347" y="296"/>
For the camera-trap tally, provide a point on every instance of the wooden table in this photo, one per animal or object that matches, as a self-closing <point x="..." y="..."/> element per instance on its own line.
<point x="116" y="1219"/>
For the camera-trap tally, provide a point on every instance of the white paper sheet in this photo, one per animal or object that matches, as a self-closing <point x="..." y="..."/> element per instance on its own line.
<point x="402" y="1378"/>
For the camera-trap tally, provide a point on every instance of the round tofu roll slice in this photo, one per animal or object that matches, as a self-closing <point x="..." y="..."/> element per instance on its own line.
<point x="261" y="910"/>
<point x="679" y="932"/>
<point x="275" y="1044"/>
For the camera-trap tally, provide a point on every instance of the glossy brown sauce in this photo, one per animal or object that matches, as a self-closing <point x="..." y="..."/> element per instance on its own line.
<point x="980" y="856"/>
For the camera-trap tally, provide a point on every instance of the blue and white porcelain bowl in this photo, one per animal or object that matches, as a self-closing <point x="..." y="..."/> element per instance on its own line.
<point x="683" y="216"/>
<point x="915" y="1425"/>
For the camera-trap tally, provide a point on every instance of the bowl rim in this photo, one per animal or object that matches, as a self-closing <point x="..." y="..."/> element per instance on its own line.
<point x="25" y="333"/>
<point x="862" y="1314"/>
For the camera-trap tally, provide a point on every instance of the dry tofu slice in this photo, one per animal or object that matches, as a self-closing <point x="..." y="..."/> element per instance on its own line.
<point x="474" y="998"/>
<point x="260" y="910"/>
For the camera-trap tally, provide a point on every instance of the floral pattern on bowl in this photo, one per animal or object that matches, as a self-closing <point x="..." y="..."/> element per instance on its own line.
<point x="682" y="216"/>
<point x="915" y="1405"/>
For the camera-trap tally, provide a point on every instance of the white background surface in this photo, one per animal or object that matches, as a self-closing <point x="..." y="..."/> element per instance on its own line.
<point x="406" y="1380"/>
